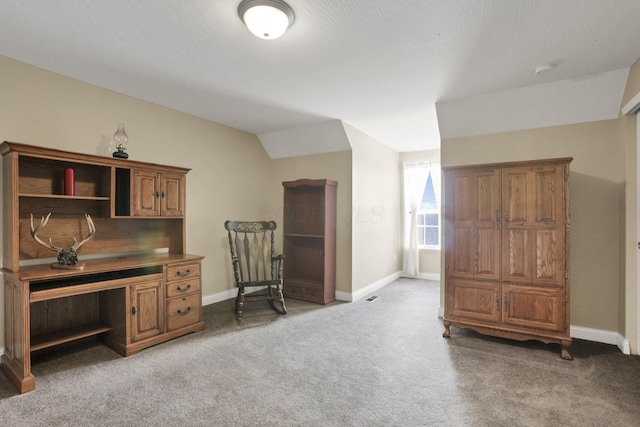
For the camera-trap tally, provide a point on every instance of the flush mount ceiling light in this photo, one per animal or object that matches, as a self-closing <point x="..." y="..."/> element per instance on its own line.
<point x="267" y="19"/>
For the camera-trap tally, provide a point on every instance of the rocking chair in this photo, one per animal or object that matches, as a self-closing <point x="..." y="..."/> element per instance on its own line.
<point x="254" y="263"/>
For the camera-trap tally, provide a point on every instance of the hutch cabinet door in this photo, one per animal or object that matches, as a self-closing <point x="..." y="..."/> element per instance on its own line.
<point x="158" y="194"/>
<point x="145" y="192"/>
<point x="147" y="319"/>
<point x="172" y="195"/>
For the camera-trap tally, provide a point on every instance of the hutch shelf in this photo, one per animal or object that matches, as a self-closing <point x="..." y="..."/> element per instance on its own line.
<point x="137" y="288"/>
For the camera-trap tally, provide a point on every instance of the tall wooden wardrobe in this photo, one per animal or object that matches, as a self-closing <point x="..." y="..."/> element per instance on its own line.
<point x="506" y="245"/>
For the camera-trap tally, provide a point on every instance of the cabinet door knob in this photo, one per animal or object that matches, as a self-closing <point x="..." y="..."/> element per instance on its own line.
<point x="134" y="310"/>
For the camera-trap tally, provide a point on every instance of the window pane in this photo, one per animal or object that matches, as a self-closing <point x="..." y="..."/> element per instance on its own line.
<point x="431" y="236"/>
<point x="428" y="196"/>
<point x="429" y="219"/>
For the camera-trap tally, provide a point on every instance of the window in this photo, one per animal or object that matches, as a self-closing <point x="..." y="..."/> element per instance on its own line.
<point x="428" y="220"/>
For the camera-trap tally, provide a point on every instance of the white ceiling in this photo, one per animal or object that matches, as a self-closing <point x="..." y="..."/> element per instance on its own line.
<point x="384" y="67"/>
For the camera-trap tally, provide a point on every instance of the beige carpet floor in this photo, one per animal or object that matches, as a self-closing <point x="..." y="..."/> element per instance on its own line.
<point x="378" y="363"/>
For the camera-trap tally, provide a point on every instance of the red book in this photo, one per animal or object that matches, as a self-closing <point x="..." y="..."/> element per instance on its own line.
<point x="69" y="182"/>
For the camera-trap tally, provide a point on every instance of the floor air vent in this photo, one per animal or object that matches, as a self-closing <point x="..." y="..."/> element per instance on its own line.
<point x="372" y="298"/>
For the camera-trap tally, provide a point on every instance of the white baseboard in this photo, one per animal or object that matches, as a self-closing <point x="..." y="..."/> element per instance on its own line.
<point x="225" y="295"/>
<point x="220" y="296"/>
<point x="605" y="337"/>
<point x="428" y="276"/>
<point x="340" y="296"/>
<point x="354" y="296"/>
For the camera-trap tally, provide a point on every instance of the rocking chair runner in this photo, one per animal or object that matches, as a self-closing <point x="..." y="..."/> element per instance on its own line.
<point x="255" y="264"/>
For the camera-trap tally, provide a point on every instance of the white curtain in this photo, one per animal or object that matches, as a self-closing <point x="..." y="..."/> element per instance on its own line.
<point x="415" y="178"/>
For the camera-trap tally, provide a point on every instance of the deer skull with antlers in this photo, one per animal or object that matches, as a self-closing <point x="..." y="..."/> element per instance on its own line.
<point x="65" y="256"/>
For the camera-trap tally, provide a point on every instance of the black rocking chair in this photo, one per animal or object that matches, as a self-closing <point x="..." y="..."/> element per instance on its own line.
<point x="255" y="264"/>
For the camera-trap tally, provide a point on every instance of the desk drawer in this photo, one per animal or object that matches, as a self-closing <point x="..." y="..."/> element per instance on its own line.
<point x="184" y="287"/>
<point x="183" y="311"/>
<point x="183" y="271"/>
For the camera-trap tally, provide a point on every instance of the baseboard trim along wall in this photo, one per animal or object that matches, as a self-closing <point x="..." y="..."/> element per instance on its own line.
<point x="220" y="296"/>
<point x="362" y="292"/>
<point x="605" y="337"/>
<point x="428" y="276"/>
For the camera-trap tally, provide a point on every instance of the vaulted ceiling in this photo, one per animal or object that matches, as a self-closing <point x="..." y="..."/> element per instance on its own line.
<point x="405" y="72"/>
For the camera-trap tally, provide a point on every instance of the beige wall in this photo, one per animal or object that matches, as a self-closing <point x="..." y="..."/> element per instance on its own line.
<point x="629" y="289"/>
<point x="429" y="262"/>
<point x="229" y="166"/>
<point x="334" y="166"/>
<point x="597" y="197"/>
<point x="375" y="210"/>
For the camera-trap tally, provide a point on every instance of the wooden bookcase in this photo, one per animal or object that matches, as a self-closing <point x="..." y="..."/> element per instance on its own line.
<point x="507" y="250"/>
<point x="138" y="289"/>
<point x="310" y="240"/>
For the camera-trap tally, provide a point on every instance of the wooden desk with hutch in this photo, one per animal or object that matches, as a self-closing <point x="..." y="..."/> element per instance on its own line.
<point x="149" y="294"/>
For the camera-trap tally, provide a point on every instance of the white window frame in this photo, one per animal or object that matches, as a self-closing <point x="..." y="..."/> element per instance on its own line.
<point x="420" y="227"/>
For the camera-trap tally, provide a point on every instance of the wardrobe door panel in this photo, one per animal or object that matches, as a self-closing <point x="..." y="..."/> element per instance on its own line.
<point x="487" y="224"/>
<point x="533" y="307"/>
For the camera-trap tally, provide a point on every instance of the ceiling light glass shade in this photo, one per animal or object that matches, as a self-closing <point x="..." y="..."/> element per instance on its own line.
<point x="267" y="19"/>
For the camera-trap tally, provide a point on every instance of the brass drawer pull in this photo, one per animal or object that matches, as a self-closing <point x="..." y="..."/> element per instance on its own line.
<point x="186" y="273"/>
<point x="181" y="289"/>
<point x="187" y="311"/>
